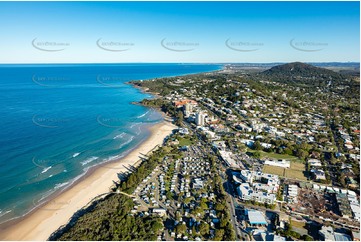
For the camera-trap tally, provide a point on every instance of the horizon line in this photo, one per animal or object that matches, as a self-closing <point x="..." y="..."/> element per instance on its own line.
<point x="210" y="63"/>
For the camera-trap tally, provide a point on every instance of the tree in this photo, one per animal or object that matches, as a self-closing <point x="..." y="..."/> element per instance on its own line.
<point x="124" y="186"/>
<point x="305" y="146"/>
<point x="257" y="154"/>
<point x="257" y="145"/>
<point x="181" y="228"/>
<point x="197" y="210"/>
<point x="109" y="221"/>
<point x="289" y="228"/>
<point x="169" y="195"/>
<point x="156" y="226"/>
<point x="306" y="237"/>
<point x="301" y="153"/>
<point x="203" y="228"/>
<point x="287" y="151"/>
<point x="203" y="205"/>
<point x="219" y="207"/>
<point x="180" y="118"/>
<point x="296" y="235"/>
<point x="187" y="200"/>
<point x="219" y="234"/>
<point x="178" y="216"/>
<point x="230" y="235"/>
<point x="223" y="222"/>
<point x="194" y="231"/>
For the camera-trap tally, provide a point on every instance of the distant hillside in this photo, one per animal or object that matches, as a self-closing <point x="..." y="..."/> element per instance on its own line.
<point x="302" y="73"/>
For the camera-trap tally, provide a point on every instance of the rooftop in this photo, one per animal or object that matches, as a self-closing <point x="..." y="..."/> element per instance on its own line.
<point x="255" y="217"/>
<point x="342" y="237"/>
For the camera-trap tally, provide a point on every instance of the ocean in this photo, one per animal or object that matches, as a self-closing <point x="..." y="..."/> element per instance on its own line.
<point x="59" y="120"/>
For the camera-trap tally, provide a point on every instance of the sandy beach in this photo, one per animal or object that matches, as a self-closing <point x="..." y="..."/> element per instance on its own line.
<point x="42" y="222"/>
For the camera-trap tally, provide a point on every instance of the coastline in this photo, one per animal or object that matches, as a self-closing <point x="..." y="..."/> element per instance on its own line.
<point x="156" y="95"/>
<point x="57" y="210"/>
<point x="47" y="218"/>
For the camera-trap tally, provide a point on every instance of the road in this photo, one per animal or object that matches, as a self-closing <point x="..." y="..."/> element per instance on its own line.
<point x="233" y="213"/>
<point x="241" y="235"/>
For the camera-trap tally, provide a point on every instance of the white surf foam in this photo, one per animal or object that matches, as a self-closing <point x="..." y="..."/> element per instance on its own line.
<point x="87" y="161"/>
<point x="75" y="155"/>
<point x="119" y="136"/>
<point x="46" y="169"/>
<point x="126" y="142"/>
<point x="2" y="213"/>
<point x="140" y="116"/>
<point x="59" y="185"/>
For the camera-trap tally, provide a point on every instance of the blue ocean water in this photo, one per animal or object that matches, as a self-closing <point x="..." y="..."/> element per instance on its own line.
<point x="59" y="120"/>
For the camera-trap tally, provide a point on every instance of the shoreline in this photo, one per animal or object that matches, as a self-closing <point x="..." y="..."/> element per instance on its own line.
<point x="156" y="95"/>
<point x="33" y="224"/>
<point x="45" y="219"/>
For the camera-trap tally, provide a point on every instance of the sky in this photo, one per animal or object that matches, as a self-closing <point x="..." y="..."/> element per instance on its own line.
<point x="180" y="32"/>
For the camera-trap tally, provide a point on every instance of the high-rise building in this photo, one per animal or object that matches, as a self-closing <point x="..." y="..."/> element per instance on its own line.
<point x="187" y="109"/>
<point x="200" y="119"/>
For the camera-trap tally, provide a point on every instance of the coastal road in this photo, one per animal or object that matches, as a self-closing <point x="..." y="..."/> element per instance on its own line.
<point x="232" y="209"/>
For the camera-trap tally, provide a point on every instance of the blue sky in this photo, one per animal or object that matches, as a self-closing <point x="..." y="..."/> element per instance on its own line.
<point x="118" y="32"/>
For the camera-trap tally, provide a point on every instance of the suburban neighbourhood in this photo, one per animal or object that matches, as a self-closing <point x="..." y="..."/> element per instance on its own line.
<point x="271" y="155"/>
<point x="287" y="158"/>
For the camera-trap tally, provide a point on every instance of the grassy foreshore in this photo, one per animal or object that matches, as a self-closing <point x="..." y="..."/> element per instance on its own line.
<point x="43" y="221"/>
